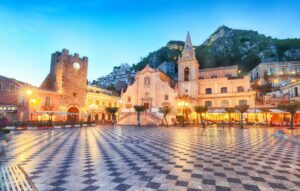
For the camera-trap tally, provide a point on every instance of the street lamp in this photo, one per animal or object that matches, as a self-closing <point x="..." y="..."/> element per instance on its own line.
<point x="92" y="107"/>
<point x="29" y="92"/>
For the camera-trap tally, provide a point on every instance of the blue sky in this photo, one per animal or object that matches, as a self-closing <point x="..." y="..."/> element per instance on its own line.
<point x="115" y="31"/>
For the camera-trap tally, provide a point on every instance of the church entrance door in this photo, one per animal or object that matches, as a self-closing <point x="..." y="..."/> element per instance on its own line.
<point x="147" y="105"/>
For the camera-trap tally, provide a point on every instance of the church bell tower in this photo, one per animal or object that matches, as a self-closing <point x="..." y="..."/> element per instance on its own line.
<point x="188" y="71"/>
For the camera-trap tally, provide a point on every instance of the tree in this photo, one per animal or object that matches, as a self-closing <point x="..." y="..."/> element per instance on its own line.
<point x="112" y="111"/>
<point x="138" y="109"/>
<point x="165" y="111"/>
<point x="242" y="109"/>
<point x="229" y="111"/>
<point x="200" y="110"/>
<point x="292" y="106"/>
<point x="265" y="111"/>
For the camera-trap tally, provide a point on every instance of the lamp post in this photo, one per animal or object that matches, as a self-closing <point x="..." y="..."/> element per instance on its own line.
<point x="92" y="107"/>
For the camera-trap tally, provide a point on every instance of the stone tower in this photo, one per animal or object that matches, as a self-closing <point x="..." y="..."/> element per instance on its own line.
<point x="188" y="71"/>
<point x="68" y="77"/>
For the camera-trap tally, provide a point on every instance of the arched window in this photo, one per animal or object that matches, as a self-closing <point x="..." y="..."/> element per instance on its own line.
<point x="147" y="81"/>
<point x="128" y="99"/>
<point x="296" y="91"/>
<point x="208" y="103"/>
<point x="240" y="88"/>
<point x="186" y="74"/>
<point x="208" y="91"/>
<point x="224" y="90"/>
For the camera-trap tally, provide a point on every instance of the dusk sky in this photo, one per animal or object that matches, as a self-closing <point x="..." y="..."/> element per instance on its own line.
<point x="117" y="31"/>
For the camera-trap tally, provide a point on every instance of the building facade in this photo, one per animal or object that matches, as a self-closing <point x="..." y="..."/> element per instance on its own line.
<point x="63" y="96"/>
<point x="216" y="88"/>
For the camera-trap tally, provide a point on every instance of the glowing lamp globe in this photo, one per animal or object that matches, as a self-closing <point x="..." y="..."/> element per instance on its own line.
<point x="76" y="66"/>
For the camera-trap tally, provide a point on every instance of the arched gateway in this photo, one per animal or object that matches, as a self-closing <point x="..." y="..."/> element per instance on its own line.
<point x="73" y="114"/>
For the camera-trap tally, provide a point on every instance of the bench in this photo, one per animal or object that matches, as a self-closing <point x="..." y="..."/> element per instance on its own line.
<point x="14" y="178"/>
<point x="3" y="146"/>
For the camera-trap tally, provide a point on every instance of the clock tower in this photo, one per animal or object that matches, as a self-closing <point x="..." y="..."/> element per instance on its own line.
<point x="188" y="71"/>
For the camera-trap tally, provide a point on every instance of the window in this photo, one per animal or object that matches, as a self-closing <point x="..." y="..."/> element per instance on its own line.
<point x="74" y="94"/>
<point x="128" y="99"/>
<point x="227" y="75"/>
<point x="166" y="97"/>
<point x="186" y="74"/>
<point x="224" y="103"/>
<point x="201" y="77"/>
<point x="208" y="103"/>
<point x="103" y="103"/>
<point x="224" y="90"/>
<point x="296" y="91"/>
<point x="47" y="101"/>
<point x="240" y="88"/>
<point x="208" y="91"/>
<point x="109" y="104"/>
<point x="147" y="81"/>
<point x="12" y="87"/>
<point x="214" y="76"/>
<point x="243" y="102"/>
<point x="97" y="102"/>
<point x="90" y="102"/>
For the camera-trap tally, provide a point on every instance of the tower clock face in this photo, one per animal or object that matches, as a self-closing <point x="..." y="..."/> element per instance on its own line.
<point x="76" y="66"/>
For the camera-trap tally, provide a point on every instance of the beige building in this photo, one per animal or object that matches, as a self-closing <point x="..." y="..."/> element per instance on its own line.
<point x="97" y="99"/>
<point x="216" y="88"/>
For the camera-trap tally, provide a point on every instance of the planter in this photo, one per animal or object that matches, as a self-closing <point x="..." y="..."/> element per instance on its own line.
<point x="68" y="126"/>
<point x="84" y="125"/>
<point x="77" y="125"/>
<point x="57" y="127"/>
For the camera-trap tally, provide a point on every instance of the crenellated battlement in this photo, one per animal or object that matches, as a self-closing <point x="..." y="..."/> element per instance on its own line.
<point x="64" y="54"/>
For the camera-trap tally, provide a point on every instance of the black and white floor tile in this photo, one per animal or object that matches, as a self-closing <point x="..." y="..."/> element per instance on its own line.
<point x="133" y="158"/>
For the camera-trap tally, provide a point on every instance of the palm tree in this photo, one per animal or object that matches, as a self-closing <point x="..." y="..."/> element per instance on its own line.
<point x="292" y="106"/>
<point x="229" y="111"/>
<point x="112" y="111"/>
<point x="165" y="111"/>
<point x="138" y="110"/>
<point x="265" y="111"/>
<point x="242" y="109"/>
<point x="200" y="110"/>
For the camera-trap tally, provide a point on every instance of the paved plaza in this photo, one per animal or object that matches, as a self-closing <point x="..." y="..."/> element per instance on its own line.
<point x="132" y="158"/>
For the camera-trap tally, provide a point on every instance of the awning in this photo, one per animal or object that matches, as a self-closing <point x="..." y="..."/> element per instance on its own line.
<point x="277" y="111"/>
<point x="55" y="112"/>
<point x="252" y="110"/>
<point x="216" y="111"/>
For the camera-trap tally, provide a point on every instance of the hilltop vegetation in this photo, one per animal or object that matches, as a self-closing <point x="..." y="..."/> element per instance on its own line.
<point x="226" y="47"/>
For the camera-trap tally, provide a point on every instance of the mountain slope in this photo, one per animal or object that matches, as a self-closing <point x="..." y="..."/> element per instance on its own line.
<point x="226" y="46"/>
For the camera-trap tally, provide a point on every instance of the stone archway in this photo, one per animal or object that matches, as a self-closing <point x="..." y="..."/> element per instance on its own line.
<point x="73" y="114"/>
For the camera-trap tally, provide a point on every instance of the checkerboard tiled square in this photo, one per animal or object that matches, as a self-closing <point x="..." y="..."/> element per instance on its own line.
<point x="130" y="158"/>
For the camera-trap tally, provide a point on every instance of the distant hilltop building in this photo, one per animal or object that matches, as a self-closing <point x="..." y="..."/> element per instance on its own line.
<point x="120" y="77"/>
